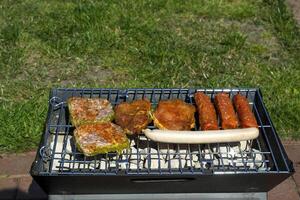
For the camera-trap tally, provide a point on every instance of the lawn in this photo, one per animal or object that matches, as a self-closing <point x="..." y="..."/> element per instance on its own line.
<point x="199" y="43"/>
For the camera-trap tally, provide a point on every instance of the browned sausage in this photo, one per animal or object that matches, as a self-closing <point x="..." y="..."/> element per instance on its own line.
<point x="206" y="112"/>
<point x="246" y="116"/>
<point x="226" y="111"/>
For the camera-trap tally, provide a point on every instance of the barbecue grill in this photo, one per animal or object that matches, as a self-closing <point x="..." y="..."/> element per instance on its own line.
<point x="153" y="168"/>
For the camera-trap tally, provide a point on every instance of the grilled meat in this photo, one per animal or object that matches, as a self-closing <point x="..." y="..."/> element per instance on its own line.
<point x="174" y="115"/>
<point x="89" y="110"/>
<point x="226" y="111"/>
<point x="93" y="139"/>
<point x="206" y="111"/>
<point x="134" y="116"/>
<point x="246" y="116"/>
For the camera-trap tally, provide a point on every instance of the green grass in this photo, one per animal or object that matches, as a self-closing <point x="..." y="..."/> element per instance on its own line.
<point x="228" y="43"/>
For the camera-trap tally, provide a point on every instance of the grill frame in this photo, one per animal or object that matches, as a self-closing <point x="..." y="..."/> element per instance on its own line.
<point x="63" y="182"/>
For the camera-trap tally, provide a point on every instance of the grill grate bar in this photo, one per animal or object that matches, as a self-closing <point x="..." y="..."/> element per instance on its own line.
<point x="56" y="133"/>
<point x="190" y="158"/>
<point x="65" y="142"/>
<point x="200" y="158"/>
<point x="138" y="157"/>
<point x="282" y="153"/>
<point x="266" y="138"/>
<point x="243" y="159"/>
<point x="127" y="158"/>
<point x="169" y="158"/>
<point x="159" y="163"/>
<point x="231" y="158"/>
<point x="148" y="156"/>
<point x="222" y="162"/>
<point x="179" y="157"/>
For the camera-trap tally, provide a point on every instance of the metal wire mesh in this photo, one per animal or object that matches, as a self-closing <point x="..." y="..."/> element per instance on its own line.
<point x="60" y="155"/>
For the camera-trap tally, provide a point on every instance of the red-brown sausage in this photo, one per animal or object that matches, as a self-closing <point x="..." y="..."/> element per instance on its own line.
<point x="206" y="112"/>
<point x="226" y="111"/>
<point x="246" y="116"/>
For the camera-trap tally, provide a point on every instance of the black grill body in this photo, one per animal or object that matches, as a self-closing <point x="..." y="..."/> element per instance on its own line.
<point x="151" y="167"/>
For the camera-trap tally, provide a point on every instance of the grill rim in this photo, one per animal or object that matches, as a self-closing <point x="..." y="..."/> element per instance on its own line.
<point x="37" y="164"/>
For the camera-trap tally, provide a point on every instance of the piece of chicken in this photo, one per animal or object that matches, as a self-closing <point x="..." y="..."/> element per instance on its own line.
<point x="174" y="114"/>
<point x="134" y="116"/>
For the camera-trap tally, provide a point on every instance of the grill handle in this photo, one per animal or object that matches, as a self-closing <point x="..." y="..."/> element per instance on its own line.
<point x="161" y="180"/>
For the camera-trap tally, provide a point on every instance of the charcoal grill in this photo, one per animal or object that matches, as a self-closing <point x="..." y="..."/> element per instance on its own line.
<point x="152" y="168"/>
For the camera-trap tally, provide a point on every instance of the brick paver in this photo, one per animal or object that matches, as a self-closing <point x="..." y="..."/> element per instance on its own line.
<point x="8" y="188"/>
<point x="287" y="190"/>
<point x="29" y="189"/>
<point x="15" y="164"/>
<point x="16" y="183"/>
<point x="293" y="151"/>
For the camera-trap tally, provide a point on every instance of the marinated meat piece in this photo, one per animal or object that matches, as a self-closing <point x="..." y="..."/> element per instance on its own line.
<point x="246" y="116"/>
<point x="226" y="111"/>
<point x="133" y="117"/>
<point x="206" y="111"/>
<point x="89" y="110"/>
<point x="93" y="139"/>
<point x="174" y="115"/>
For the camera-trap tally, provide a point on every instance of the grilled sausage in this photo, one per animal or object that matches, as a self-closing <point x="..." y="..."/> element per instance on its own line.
<point x="245" y="115"/>
<point x="226" y="111"/>
<point x="206" y="112"/>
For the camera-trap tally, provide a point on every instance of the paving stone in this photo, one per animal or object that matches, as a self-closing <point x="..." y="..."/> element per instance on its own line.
<point x="290" y="142"/>
<point x="29" y="189"/>
<point x="287" y="190"/>
<point x="293" y="151"/>
<point x="8" y="188"/>
<point x="296" y="176"/>
<point x="16" y="164"/>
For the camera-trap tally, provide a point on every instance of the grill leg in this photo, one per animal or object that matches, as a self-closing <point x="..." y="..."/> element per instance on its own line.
<point x="179" y="196"/>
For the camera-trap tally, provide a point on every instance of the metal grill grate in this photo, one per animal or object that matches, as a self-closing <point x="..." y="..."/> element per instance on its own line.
<point x="60" y="156"/>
